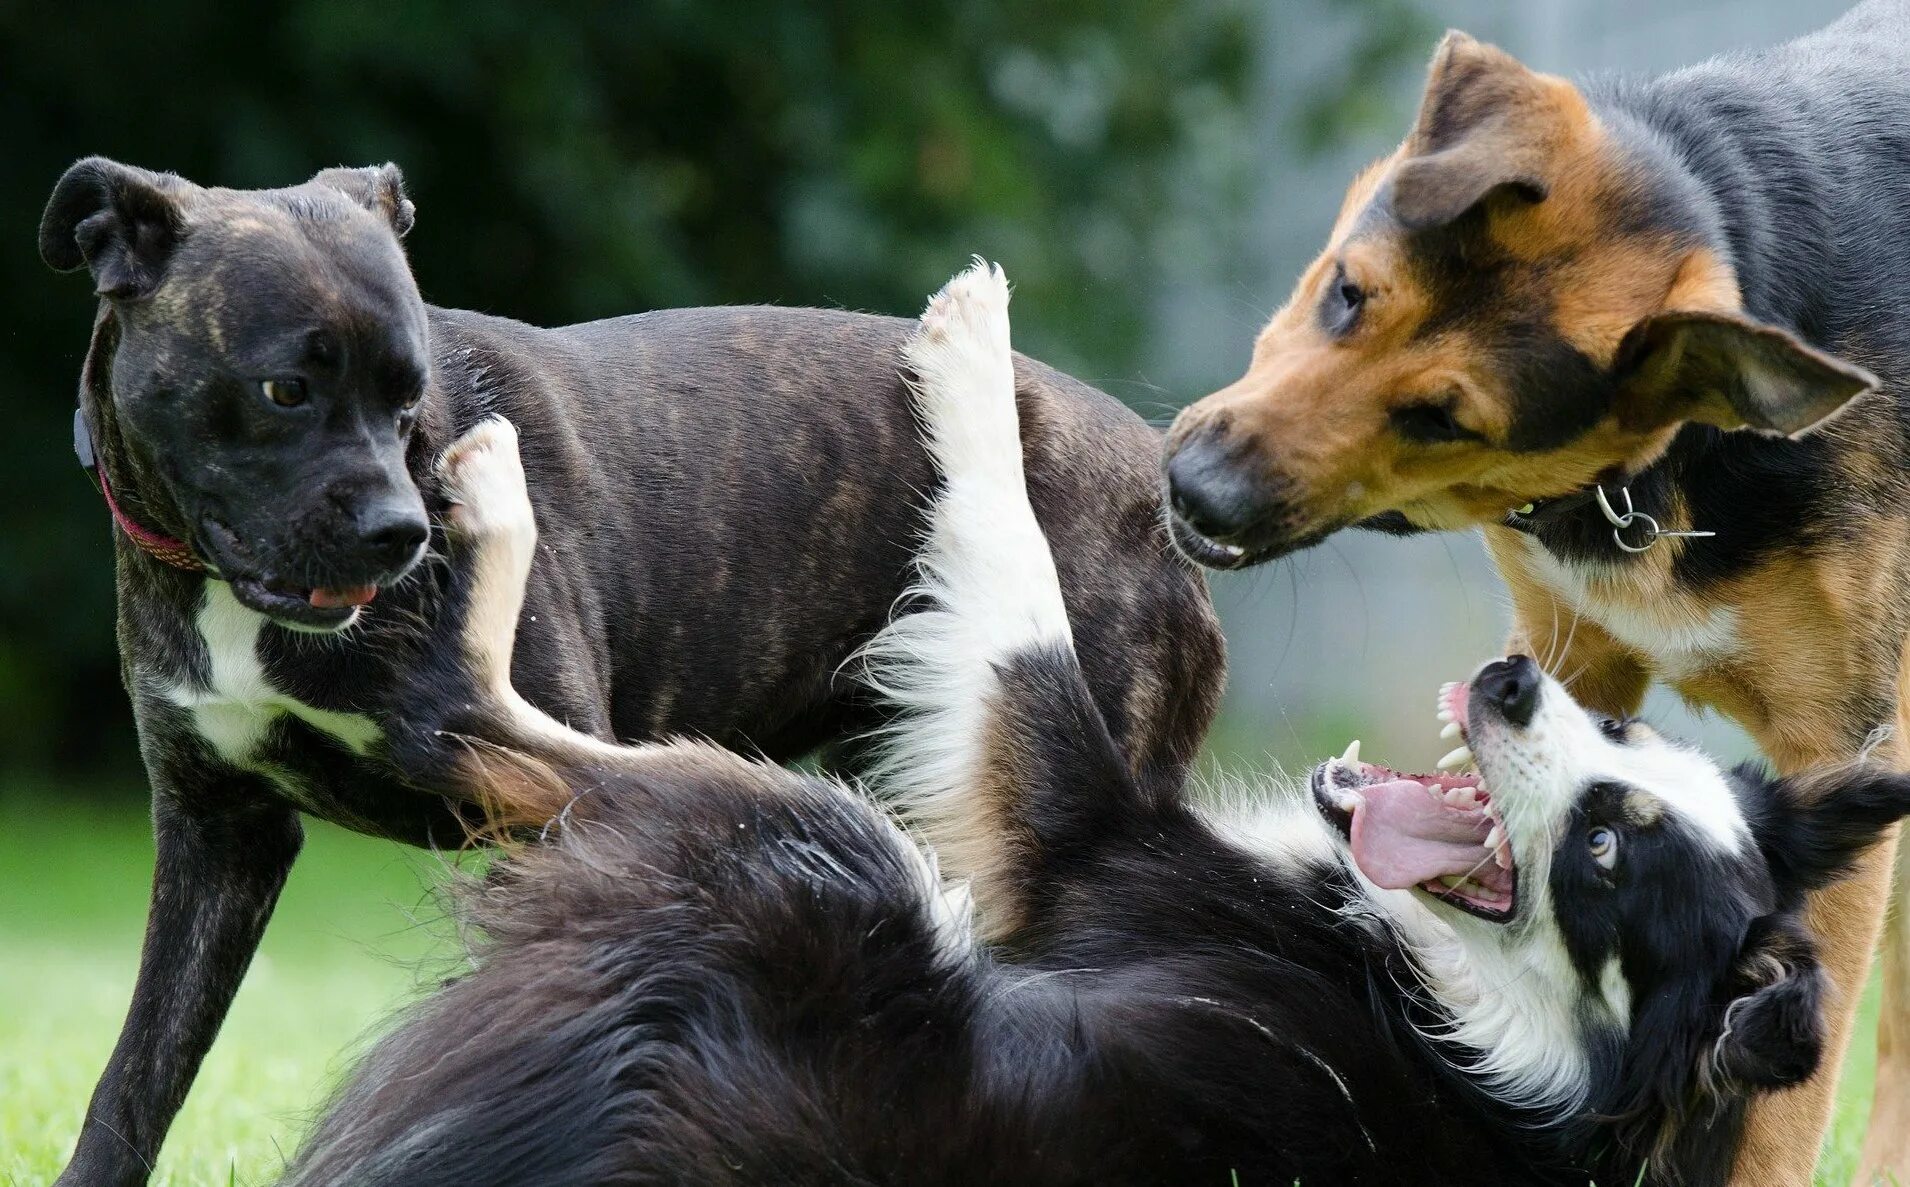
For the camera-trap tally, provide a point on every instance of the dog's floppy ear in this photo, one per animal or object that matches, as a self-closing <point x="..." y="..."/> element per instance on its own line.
<point x="118" y="221"/>
<point x="379" y="189"/>
<point x="1812" y="827"/>
<point x="1773" y="1028"/>
<point x="1485" y="126"/>
<point x="1722" y="368"/>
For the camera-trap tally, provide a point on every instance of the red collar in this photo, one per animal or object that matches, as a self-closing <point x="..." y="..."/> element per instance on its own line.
<point x="164" y="549"/>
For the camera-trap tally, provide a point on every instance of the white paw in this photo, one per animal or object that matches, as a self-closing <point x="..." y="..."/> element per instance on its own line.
<point x="964" y="376"/>
<point x="483" y="479"/>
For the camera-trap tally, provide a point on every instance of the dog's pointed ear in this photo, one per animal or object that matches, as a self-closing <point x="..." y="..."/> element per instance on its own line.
<point x="1719" y="367"/>
<point x="1773" y="1028"/>
<point x="1812" y="827"/>
<point x="379" y="189"/>
<point x="1486" y="125"/>
<point x="120" y="222"/>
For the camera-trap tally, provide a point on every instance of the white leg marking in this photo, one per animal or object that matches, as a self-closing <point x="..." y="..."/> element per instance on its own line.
<point x="491" y="514"/>
<point x="986" y="576"/>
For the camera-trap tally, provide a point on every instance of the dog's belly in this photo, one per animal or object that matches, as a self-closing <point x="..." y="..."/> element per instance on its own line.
<point x="1681" y="635"/>
<point x="235" y="707"/>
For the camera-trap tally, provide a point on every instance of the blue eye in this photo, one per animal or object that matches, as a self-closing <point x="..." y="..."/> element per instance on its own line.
<point x="1603" y="845"/>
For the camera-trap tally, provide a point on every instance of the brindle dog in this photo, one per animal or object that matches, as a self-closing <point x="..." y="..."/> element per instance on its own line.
<point x="1677" y="291"/>
<point x="729" y="500"/>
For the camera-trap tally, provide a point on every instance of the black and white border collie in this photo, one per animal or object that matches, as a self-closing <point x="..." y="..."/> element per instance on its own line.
<point x="1575" y="964"/>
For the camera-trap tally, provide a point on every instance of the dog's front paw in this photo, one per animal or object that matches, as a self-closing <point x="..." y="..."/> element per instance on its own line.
<point x="483" y="480"/>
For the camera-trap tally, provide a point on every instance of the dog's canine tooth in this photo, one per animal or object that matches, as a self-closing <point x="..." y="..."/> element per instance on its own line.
<point x="1352" y="754"/>
<point x="1451" y="730"/>
<point x="1496" y="837"/>
<point x="1458" y="757"/>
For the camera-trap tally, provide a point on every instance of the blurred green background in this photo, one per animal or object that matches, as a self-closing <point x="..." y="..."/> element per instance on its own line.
<point x="1151" y="173"/>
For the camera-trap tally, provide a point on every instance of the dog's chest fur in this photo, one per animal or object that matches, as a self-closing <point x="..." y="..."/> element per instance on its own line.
<point x="234" y="704"/>
<point x="1683" y="634"/>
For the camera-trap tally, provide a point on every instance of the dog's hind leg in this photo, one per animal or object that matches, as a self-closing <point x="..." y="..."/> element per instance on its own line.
<point x="997" y="737"/>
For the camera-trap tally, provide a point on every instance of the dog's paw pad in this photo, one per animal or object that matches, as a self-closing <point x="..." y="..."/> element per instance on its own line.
<point x="971" y="307"/>
<point x="483" y="481"/>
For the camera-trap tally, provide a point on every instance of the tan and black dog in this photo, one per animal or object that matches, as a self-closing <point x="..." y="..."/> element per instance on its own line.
<point x="1679" y="292"/>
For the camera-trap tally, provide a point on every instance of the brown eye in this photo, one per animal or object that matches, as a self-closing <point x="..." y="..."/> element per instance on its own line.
<point x="286" y="393"/>
<point x="1340" y="308"/>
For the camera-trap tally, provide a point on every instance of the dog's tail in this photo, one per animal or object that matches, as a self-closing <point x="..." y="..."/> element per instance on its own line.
<point x="998" y="750"/>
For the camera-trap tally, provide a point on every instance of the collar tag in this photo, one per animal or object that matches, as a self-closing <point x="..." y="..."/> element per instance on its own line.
<point x="83" y="440"/>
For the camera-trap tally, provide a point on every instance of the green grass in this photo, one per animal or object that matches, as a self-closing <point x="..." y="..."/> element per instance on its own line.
<point x="355" y="934"/>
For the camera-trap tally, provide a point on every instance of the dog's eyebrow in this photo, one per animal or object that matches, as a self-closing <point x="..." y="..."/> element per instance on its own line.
<point x="1642" y="809"/>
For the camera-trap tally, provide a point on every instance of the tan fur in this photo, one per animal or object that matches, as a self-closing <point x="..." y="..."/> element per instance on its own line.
<point x="1796" y="650"/>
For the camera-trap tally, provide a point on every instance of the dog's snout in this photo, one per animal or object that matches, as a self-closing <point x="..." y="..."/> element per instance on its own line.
<point x="1214" y="490"/>
<point x="390" y="533"/>
<point x="1511" y="686"/>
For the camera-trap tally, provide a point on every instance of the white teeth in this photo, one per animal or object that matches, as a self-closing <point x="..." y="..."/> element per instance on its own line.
<point x="1496" y="837"/>
<point x="1451" y="730"/>
<point x="1456" y="796"/>
<point x="1352" y="754"/>
<point x="1451" y="881"/>
<point x="1347" y="801"/>
<point x="1458" y="757"/>
<point x="1503" y="855"/>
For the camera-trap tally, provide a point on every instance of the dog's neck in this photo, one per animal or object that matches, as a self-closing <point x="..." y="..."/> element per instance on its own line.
<point x="136" y="489"/>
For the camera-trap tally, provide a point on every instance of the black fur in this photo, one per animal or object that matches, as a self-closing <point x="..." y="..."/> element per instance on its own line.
<point x="720" y="972"/>
<point x="728" y="499"/>
<point x="1790" y="162"/>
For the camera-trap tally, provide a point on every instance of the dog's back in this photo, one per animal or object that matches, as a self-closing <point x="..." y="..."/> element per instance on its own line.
<point x="753" y="473"/>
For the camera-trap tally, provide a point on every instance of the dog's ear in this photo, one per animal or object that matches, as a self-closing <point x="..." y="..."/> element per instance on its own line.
<point x="118" y="221"/>
<point x="1812" y="827"/>
<point x="1486" y="125"/>
<point x="1722" y="368"/>
<point x="379" y="189"/>
<point x="1773" y="1028"/>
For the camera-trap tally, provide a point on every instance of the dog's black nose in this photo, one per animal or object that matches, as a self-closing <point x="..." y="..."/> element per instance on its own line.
<point x="390" y="534"/>
<point x="1511" y="686"/>
<point x="1211" y="490"/>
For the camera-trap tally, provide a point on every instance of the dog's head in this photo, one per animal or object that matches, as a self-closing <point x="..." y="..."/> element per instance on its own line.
<point x="258" y="368"/>
<point x="1520" y="299"/>
<point x="1644" y="900"/>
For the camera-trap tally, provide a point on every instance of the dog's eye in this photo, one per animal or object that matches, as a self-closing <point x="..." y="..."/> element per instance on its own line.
<point x="1603" y="843"/>
<point x="1612" y="728"/>
<point x="1340" y="309"/>
<point x="1428" y="423"/>
<point x="410" y="403"/>
<point x="286" y="393"/>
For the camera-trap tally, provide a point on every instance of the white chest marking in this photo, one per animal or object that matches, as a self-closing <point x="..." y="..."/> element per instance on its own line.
<point x="237" y="704"/>
<point x="1681" y="635"/>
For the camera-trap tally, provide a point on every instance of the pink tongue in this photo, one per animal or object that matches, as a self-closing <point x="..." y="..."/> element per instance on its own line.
<point x="1403" y="836"/>
<point x="338" y="599"/>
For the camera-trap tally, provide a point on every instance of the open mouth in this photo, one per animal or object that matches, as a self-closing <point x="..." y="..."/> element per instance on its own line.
<point x="1439" y="834"/>
<point x="309" y="608"/>
<point x="321" y="608"/>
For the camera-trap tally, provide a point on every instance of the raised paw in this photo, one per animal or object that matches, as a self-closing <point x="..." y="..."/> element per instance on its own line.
<point x="964" y="377"/>
<point x="483" y="480"/>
